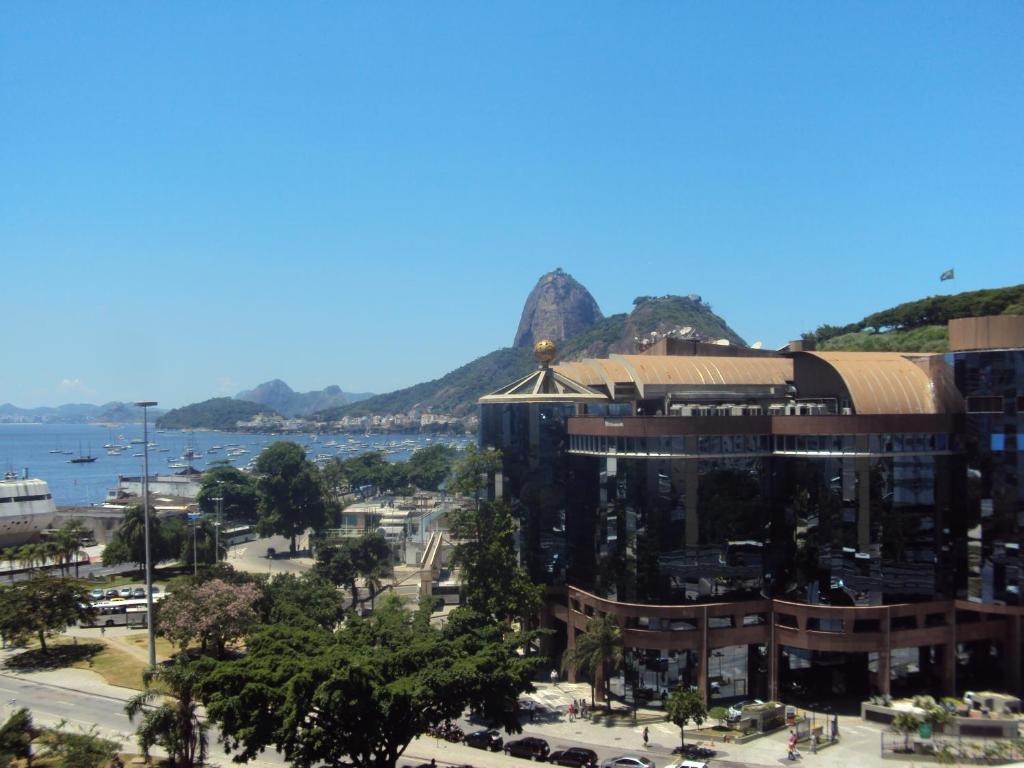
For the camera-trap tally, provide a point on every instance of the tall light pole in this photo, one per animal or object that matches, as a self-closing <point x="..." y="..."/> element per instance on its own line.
<point x="145" y="405"/>
<point x="219" y="498"/>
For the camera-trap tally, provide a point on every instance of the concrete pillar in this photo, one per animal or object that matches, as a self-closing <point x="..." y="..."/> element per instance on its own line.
<point x="702" y="661"/>
<point x="1012" y="653"/>
<point x="570" y="642"/>
<point x="949" y="655"/>
<point x="885" y="656"/>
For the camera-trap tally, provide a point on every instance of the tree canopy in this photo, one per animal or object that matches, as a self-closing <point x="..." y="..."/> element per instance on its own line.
<point x="368" y="558"/>
<point x="213" y="613"/>
<point x="128" y="544"/>
<point x="932" y="311"/>
<point x="290" y="495"/>
<point x="235" y="487"/>
<point x="363" y="692"/>
<point x="494" y="584"/>
<point x="42" y="606"/>
<point x="683" y="707"/>
<point x="428" y="467"/>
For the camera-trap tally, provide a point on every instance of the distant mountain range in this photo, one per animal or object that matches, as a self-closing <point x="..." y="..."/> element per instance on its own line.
<point x="561" y="309"/>
<point x="77" y="413"/>
<point x="284" y="400"/>
<point x="216" y="413"/>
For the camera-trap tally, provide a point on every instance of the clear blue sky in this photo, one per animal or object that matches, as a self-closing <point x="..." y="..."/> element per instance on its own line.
<point x="197" y="197"/>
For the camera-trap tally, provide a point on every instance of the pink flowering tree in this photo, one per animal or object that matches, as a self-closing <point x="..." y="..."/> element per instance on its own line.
<point x="214" y="613"/>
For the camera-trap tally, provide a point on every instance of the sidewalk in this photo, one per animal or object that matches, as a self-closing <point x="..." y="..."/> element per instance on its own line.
<point x="858" y="743"/>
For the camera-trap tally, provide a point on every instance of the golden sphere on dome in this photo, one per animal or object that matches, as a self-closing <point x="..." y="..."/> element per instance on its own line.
<point x="544" y="351"/>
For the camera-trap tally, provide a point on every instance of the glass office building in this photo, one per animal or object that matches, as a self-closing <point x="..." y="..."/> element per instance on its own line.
<point x="750" y="516"/>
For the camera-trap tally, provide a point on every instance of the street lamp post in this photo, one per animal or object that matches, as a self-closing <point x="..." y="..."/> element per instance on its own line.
<point x="195" y="546"/>
<point x="219" y="498"/>
<point x="145" y="405"/>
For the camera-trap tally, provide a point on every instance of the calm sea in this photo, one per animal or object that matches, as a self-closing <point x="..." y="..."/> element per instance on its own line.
<point x="30" y="446"/>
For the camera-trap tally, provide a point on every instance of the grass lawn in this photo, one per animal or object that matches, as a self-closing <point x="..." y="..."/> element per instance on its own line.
<point x="164" y="648"/>
<point x="115" y="665"/>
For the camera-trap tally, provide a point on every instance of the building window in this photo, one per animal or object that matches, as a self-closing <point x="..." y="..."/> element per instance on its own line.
<point x="984" y="405"/>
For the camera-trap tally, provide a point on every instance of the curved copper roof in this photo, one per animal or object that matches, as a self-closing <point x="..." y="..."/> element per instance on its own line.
<point x="595" y="372"/>
<point x="684" y="371"/>
<point x="884" y="382"/>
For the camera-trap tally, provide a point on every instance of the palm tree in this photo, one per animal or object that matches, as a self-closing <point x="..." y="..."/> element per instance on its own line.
<point x="29" y="555"/>
<point x="174" y="724"/>
<point x="597" y="653"/>
<point x="11" y="555"/>
<point x="69" y="542"/>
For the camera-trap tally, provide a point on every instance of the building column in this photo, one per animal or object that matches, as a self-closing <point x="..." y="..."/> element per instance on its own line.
<point x="1012" y="653"/>
<point x="773" y="657"/>
<point x="702" y="666"/>
<point x="570" y="641"/>
<point x="885" y="657"/>
<point x="949" y="655"/>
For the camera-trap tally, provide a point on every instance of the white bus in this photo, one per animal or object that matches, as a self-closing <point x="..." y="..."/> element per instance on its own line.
<point x="120" y="613"/>
<point x="238" y="534"/>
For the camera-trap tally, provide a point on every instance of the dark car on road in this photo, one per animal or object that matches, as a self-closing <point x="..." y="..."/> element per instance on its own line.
<point x="485" y="740"/>
<point x="530" y="747"/>
<point x="577" y="757"/>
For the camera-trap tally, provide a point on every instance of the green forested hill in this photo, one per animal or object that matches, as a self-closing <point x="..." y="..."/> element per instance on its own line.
<point x="216" y="413"/>
<point x="457" y="392"/>
<point x="919" y="326"/>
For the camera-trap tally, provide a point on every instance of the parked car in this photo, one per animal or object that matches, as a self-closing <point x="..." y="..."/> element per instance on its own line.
<point x="155" y="590"/>
<point x="485" y="740"/>
<point x="530" y="747"/>
<point x="110" y="593"/>
<point x="96" y="594"/>
<point x="629" y="761"/>
<point x="577" y="757"/>
<point x="736" y="710"/>
<point x="125" y="592"/>
<point x="138" y="592"/>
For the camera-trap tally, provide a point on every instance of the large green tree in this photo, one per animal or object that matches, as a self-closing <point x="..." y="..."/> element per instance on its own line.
<point x="173" y="724"/>
<point x="494" y="584"/>
<point x="236" y="488"/>
<point x="42" y="606"/>
<point x="307" y="599"/>
<point x="428" y="467"/>
<point x="291" y="497"/>
<point x="361" y="693"/>
<point x="128" y="544"/>
<point x="368" y="558"/>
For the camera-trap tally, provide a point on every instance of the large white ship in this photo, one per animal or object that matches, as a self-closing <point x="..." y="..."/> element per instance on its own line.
<point x="26" y="508"/>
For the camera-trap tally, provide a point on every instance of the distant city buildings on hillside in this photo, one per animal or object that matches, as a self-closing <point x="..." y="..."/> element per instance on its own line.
<point x="412" y="421"/>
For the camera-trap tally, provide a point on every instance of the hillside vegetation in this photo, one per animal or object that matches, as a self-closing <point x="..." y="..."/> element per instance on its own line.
<point x="458" y="391"/>
<point x="216" y="413"/>
<point x="918" y="326"/>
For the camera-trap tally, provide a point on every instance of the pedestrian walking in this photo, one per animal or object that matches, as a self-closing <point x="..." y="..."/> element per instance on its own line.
<point x="572" y="713"/>
<point x="103" y="630"/>
<point x="646" y="736"/>
<point x="554" y="677"/>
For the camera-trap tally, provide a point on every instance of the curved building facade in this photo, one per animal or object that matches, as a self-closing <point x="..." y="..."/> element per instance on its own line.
<point x="752" y="516"/>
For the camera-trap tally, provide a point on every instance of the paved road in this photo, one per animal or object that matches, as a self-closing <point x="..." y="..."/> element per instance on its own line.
<point x="51" y="703"/>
